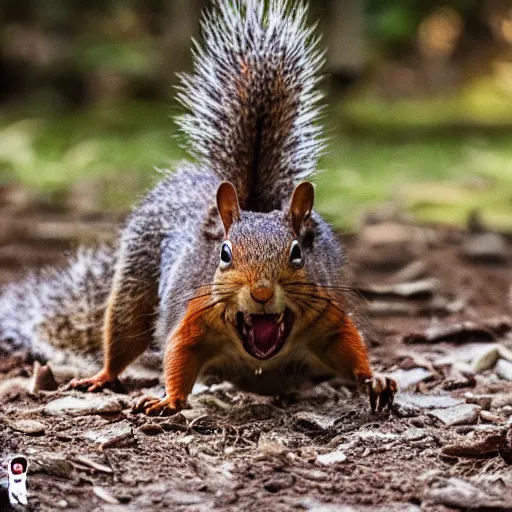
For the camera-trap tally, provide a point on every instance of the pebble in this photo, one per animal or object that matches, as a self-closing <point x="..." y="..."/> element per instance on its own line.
<point x="460" y="494"/>
<point x="412" y="404"/>
<point x="462" y="414"/>
<point x="490" y="417"/>
<point x="313" y="421"/>
<point x="333" y="457"/>
<point x="408" y="378"/>
<point x="486" y="247"/>
<point x="43" y="379"/>
<point x="389" y="243"/>
<point x="110" y="436"/>
<point x="30" y="427"/>
<point x="501" y="400"/>
<point x="504" y="369"/>
<point x="371" y="435"/>
<point x="487" y="359"/>
<point x="53" y="464"/>
<point x="414" y="434"/>
<point x="84" y="405"/>
<point x="151" y="429"/>
<point x="484" y="401"/>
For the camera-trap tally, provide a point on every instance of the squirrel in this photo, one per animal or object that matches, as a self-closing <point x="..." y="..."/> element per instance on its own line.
<point x="225" y="267"/>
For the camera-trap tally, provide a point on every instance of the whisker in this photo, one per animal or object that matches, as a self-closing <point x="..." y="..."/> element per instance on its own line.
<point x="321" y="286"/>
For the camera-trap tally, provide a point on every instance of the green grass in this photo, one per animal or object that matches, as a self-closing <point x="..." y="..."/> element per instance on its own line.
<point x="437" y="177"/>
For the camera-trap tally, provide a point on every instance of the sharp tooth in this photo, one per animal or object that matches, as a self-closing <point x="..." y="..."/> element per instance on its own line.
<point x="247" y="319"/>
<point x="280" y="318"/>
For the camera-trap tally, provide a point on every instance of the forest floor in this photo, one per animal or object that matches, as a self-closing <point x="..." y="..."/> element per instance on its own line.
<point x="439" y="300"/>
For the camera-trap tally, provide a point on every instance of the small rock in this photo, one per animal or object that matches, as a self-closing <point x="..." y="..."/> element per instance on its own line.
<point x="277" y="483"/>
<point x="311" y="421"/>
<point x="30" y="427"/>
<point x="408" y="378"/>
<point x="459" y="494"/>
<point x="486" y="248"/>
<point x="372" y="435"/>
<point x="110" y="436"/>
<point x="186" y="439"/>
<point x="412" y="404"/>
<point x="414" y="434"/>
<point x="504" y="369"/>
<point x="151" y="429"/>
<point x="462" y="414"/>
<point x="389" y="244"/>
<point x="487" y="359"/>
<point x="43" y="379"/>
<point x="501" y="400"/>
<point x="84" y="405"/>
<point x="51" y="464"/>
<point x="333" y="457"/>
<point x="504" y="352"/>
<point x="484" y="401"/>
<point x="490" y="417"/>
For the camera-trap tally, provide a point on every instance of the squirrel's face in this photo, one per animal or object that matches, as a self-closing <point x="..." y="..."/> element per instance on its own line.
<point x="261" y="265"/>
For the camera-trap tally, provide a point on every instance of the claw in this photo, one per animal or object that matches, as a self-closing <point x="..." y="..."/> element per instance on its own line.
<point x="95" y="383"/>
<point x="153" y="406"/>
<point x="381" y="392"/>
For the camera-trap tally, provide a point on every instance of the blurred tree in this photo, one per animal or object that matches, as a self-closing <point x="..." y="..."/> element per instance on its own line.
<point x="346" y="31"/>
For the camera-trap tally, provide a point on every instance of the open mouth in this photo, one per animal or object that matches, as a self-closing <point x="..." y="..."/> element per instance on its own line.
<point x="264" y="335"/>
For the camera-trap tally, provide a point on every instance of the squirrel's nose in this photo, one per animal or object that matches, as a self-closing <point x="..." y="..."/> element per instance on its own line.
<point x="262" y="293"/>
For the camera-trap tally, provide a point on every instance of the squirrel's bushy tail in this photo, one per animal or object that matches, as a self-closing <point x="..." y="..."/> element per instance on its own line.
<point x="252" y="101"/>
<point x="58" y="308"/>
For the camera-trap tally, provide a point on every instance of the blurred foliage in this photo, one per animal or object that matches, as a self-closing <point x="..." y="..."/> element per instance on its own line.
<point x="439" y="178"/>
<point x="85" y="87"/>
<point x="395" y="22"/>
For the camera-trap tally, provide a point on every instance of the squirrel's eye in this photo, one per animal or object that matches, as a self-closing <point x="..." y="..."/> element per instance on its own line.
<point x="296" y="258"/>
<point x="225" y="254"/>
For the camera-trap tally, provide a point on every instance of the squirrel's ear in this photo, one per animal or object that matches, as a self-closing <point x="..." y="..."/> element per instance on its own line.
<point x="227" y="204"/>
<point x="301" y="204"/>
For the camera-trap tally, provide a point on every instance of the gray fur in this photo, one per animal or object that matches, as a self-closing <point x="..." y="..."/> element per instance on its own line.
<point x="252" y="101"/>
<point x="56" y="308"/>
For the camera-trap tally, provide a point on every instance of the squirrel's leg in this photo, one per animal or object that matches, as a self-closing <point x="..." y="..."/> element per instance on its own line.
<point x="184" y="357"/>
<point x="127" y="328"/>
<point x="346" y="354"/>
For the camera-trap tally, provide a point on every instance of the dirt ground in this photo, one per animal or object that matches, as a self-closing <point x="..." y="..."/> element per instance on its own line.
<point x="439" y="302"/>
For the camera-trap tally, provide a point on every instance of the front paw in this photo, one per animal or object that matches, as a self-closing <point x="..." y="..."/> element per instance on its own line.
<point x="381" y="391"/>
<point x="95" y="383"/>
<point x="153" y="406"/>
